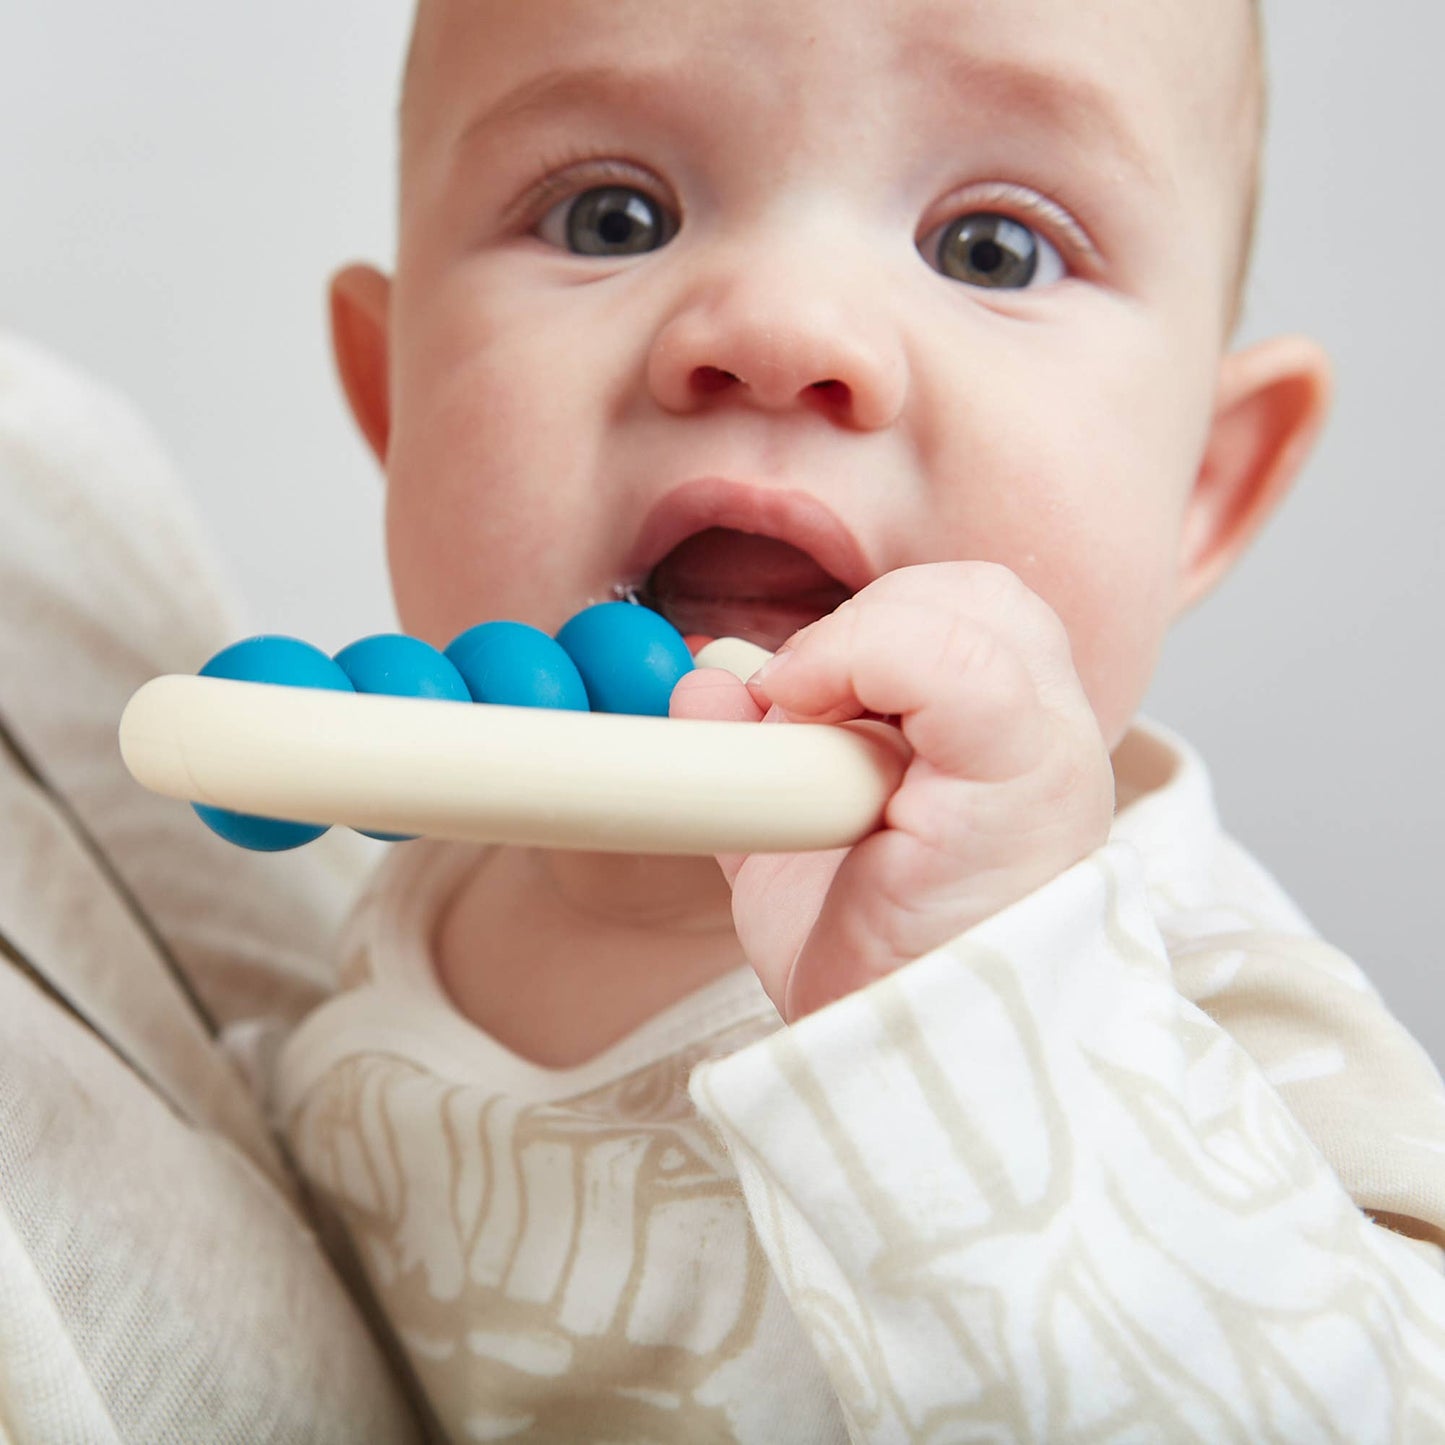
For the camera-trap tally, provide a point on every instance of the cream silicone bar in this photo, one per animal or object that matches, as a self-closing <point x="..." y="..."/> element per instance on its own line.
<point x="525" y="776"/>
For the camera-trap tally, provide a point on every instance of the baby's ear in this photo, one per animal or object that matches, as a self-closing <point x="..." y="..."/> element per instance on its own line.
<point x="360" y="300"/>
<point x="1271" y="403"/>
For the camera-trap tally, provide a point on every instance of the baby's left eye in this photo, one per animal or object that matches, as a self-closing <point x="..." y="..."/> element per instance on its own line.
<point x="992" y="251"/>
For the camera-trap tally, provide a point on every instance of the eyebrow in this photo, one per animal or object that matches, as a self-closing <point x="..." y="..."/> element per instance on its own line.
<point x="556" y="90"/>
<point x="1069" y="104"/>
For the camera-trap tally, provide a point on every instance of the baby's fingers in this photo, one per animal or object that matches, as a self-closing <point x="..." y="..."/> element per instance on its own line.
<point x="967" y="664"/>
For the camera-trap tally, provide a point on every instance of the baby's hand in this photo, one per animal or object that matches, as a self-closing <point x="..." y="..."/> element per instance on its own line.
<point x="1009" y="785"/>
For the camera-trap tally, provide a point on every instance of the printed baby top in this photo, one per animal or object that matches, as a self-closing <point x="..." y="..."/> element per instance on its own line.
<point x="565" y="1254"/>
<point x="1108" y="1166"/>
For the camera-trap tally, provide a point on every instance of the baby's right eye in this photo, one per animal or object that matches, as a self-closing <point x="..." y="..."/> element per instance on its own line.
<point x="608" y="221"/>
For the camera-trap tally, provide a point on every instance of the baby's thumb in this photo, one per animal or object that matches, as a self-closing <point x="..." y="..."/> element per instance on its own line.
<point x="712" y="694"/>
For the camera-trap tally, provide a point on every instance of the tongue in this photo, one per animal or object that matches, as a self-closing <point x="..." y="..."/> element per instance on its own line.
<point x="723" y="582"/>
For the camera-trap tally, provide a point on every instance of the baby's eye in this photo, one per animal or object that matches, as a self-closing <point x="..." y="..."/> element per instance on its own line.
<point x="993" y="251"/>
<point x="608" y="221"/>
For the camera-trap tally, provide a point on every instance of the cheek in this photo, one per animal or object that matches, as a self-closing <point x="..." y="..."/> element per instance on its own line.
<point x="482" y="479"/>
<point x="1080" y="492"/>
<point x="1107" y="569"/>
<point x="1112" y="581"/>
<point x="1117" y="605"/>
<point x="474" y="401"/>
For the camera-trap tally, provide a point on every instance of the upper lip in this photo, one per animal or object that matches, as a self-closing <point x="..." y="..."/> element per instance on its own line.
<point x="786" y="515"/>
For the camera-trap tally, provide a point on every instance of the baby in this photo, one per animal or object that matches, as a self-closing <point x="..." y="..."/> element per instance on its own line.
<point x="894" y="337"/>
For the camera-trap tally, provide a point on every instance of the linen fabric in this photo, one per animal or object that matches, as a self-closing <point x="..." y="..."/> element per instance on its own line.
<point x="161" y="1279"/>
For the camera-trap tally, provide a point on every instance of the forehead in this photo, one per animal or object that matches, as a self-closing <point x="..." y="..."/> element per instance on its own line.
<point x="1147" y="106"/>
<point x="1164" y="81"/>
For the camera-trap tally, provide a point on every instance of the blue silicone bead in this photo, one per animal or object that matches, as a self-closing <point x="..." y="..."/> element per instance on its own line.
<point x="291" y="663"/>
<point x="400" y="666"/>
<point x="517" y="666"/>
<point x="260" y="835"/>
<point x="630" y="657"/>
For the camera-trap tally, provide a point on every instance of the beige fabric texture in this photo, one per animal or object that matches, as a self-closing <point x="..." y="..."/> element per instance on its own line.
<point x="1102" y="1169"/>
<point x="159" y="1280"/>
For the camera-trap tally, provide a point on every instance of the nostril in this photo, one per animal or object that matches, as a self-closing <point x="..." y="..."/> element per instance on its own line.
<point x="708" y="379"/>
<point x="830" y="395"/>
<point x="833" y="395"/>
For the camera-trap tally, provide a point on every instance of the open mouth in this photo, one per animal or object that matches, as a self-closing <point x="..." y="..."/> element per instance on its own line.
<point x="726" y="583"/>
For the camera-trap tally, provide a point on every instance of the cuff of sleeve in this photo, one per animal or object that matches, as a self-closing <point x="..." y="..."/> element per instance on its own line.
<point x="988" y="1020"/>
<point x="943" y="1167"/>
<point x="908" y="1153"/>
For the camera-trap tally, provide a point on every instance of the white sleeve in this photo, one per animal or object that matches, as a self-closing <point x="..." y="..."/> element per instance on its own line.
<point x="1024" y="1185"/>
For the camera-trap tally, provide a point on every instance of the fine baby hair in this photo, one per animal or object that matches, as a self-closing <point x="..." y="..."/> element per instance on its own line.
<point x="566" y="743"/>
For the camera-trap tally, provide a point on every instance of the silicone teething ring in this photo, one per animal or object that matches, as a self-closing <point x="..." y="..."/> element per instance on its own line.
<point x="524" y="776"/>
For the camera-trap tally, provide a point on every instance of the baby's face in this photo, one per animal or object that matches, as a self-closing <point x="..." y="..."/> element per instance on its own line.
<point x="889" y="284"/>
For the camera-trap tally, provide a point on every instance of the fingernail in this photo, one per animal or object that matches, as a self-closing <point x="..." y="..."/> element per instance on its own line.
<point x="770" y="668"/>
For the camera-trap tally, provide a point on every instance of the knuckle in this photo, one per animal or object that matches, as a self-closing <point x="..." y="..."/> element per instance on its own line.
<point x="980" y="658"/>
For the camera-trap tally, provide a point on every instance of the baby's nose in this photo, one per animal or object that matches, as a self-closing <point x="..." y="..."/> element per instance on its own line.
<point x="781" y="344"/>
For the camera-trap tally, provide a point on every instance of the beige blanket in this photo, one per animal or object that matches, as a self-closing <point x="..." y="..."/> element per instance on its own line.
<point x="159" y="1280"/>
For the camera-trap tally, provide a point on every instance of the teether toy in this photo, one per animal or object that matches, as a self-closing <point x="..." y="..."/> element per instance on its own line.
<point x="561" y="743"/>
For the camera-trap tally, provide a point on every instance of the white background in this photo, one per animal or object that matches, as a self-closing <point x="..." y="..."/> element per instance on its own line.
<point x="178" y="179"/>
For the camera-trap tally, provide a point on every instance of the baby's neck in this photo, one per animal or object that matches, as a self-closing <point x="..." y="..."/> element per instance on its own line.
<point x="632" y="890"/>
<point x="559" y="955"/>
